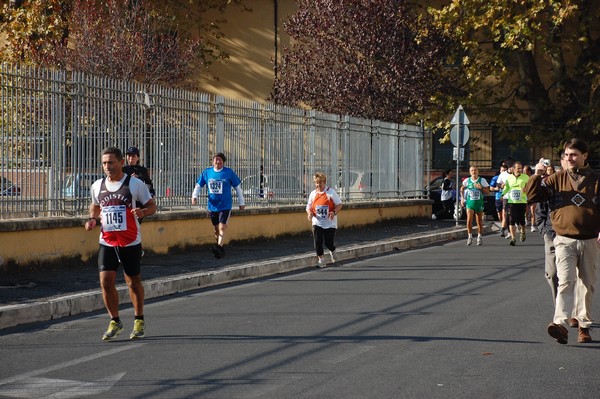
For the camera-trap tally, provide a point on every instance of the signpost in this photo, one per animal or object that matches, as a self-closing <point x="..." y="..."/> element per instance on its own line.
<point x="459" y="136"/>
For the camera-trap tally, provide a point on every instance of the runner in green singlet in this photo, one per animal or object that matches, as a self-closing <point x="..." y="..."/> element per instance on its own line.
<point x="472" y="191"/>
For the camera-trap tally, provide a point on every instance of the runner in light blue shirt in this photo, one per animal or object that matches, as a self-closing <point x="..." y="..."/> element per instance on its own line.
<point x="219" y="180"/>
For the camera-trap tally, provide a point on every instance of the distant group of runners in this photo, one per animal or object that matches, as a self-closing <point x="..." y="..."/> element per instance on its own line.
<point x="511" y="201"/>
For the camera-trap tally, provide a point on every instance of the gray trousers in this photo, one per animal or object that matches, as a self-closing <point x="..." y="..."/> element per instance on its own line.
<point x="550" y="266"/>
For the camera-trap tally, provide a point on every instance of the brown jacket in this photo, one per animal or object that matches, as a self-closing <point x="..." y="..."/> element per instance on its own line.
<point x="574" y="200"/>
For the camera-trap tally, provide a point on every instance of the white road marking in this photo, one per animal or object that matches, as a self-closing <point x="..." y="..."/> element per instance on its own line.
<point x="70" y="363"/>
<point x="52" y="388"/>
<point x="348" y="354"/>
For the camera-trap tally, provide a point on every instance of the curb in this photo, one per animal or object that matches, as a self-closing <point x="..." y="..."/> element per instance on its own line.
<point x="89" y="301"/>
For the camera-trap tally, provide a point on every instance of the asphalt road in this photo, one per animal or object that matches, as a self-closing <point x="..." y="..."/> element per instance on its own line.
<point x="29" y="295"/>
<point x="27" y="284"/>
<point x="445" y="321"/>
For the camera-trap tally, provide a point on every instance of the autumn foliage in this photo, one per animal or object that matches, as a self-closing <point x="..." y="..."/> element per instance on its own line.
<point x="129" y="39"/>
<point x="374" y="59"/>
<point x="34" y="30"/>
<point x="533" y="61"/>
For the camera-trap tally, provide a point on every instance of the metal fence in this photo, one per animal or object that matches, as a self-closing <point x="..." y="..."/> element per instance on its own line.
<point x="54" y="125"/>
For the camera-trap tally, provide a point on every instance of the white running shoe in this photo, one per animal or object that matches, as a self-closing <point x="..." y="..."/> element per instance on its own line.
<point x="533" y="229"/>
<point x="469" y="240"/>
<point x="479" y="240"/>
<point x="321" y="263"/>
<point x="333" y="256"/>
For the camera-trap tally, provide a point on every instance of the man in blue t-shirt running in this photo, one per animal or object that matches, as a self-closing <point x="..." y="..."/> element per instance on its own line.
<point x="220" y="180"/>
<point x="497" y="188"/>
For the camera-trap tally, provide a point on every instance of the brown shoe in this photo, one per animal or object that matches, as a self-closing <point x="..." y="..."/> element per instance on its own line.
<point x="558" y="332"/>
<point x="584" y="335"/>
<point x="573" y="323"/>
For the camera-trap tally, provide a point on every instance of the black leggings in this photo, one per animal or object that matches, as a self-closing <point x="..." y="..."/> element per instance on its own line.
<point x="516" y="214"/>
<point x="320" y="234"/>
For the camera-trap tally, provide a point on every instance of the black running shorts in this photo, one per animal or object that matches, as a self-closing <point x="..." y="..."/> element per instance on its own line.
<point x="221" y="217"/>
<point x="109" y="259"/>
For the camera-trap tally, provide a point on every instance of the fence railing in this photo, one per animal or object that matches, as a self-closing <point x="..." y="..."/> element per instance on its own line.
<point x="54" y="125"/>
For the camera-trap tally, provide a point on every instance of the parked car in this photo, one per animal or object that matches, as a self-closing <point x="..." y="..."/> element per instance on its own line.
<point x="358" y="185"/>
<point x="8" y="188"/>
<point x="435" y="193"/>
<point x="169" y="184"/>
<point x="77" y="185"/>
<point x="271" y="186"/>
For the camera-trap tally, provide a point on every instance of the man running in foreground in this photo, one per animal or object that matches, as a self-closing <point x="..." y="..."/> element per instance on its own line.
<point x="114" y="200"/>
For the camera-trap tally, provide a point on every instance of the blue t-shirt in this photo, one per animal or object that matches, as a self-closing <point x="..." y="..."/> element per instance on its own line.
<point x="494" y="183"/>
<point x="219" y="187"/>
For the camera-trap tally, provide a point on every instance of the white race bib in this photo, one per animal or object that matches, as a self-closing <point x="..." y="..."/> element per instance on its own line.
<point x="515" y="195"/>
<point x="322" y="211"/>
<point x="114" y="218"/>
<point x="475" y="195"/>
<point x="215" y="186"/>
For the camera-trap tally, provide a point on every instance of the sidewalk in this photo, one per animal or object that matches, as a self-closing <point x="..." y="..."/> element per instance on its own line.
<point x="41" y="295"/>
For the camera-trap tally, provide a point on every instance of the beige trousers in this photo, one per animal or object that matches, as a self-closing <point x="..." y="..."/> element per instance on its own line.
<point x="575" y="259"/>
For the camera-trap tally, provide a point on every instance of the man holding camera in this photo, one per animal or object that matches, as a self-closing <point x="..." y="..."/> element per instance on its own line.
<point x="574" y="197"/>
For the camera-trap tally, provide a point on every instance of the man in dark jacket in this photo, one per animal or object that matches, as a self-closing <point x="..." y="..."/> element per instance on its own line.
<point x="446" y="197"/>
<point x="135" y="169"/>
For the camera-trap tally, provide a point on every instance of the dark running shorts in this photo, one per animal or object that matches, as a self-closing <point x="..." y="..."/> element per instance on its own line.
<point x="108" y="259"/>
<point x="499" y="205"/>
<point x="516" y="214"/>
<point x="221" y="217"/>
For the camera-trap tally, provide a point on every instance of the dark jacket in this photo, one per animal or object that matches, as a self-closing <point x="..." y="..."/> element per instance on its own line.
<point x="141" y="173"/>
<point x="543" y="221"/>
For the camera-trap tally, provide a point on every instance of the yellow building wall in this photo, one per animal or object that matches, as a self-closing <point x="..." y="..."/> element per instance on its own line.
<point x="29" y="242"/>
<point x="250" y="41"/>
